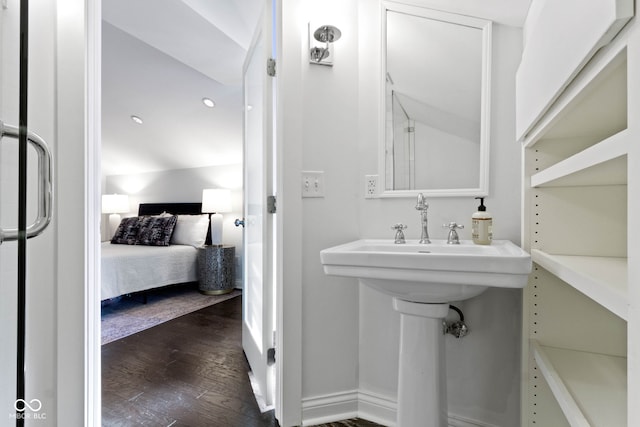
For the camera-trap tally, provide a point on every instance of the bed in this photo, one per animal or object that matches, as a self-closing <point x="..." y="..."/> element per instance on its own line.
<point x="131" y="263"/>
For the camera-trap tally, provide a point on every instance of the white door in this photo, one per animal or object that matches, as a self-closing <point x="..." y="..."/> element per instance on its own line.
<point x="258" y="326"/>
<point x="27" y="294"/>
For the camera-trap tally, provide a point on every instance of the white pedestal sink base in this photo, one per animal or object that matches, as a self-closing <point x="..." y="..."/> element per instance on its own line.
<point x="422" y="384"/>
<point x="431" y="276"/>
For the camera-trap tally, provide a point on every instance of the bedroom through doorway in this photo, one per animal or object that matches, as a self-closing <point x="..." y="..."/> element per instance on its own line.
<point x="172" y="125"/>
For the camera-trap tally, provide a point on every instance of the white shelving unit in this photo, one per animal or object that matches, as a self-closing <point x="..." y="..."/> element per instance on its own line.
<point x="581" y="305"/>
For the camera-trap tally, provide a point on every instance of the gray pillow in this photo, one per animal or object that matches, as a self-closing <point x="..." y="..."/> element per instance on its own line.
<point x="156" y="231"/>
<point x="127" y="231"/>
<point x="145" y="230"/>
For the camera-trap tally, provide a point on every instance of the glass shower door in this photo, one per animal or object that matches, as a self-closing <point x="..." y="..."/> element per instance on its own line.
<point x="27" y="297"/>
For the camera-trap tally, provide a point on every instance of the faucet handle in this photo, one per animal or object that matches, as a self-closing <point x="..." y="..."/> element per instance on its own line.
<point x="399" y="239"/>
<point x="453" y="238"/>
<point x="452" y="225"/>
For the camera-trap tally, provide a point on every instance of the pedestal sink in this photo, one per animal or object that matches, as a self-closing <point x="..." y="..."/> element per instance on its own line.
<point x="423" y="279"/>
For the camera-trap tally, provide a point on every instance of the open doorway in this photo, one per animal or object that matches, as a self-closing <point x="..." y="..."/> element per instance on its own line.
<point x="172" y="103"/>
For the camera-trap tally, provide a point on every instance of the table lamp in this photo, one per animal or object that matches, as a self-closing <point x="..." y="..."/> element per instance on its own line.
<point x="216" y="201"/>
<point x="114" y="205"/>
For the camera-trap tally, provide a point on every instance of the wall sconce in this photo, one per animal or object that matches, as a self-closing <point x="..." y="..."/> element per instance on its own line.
<point x="321" y="44"/>
<point x="114" y="204"/>
<point x="216" y="200"/>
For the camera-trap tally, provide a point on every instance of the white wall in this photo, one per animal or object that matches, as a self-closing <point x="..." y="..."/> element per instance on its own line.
<point x="350" y="333"/>
<point x="330" y="135"/>
<point x="185" y="185"/>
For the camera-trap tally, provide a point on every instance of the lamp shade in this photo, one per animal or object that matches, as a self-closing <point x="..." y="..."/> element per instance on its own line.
<point x="216" y="200"/>
<point x="115" y="203"/>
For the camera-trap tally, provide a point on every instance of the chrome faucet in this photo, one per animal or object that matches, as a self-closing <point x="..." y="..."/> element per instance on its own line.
<point x="423" y="207"/>
<point x="399" y="239"/>
<point x="453" y="238"/>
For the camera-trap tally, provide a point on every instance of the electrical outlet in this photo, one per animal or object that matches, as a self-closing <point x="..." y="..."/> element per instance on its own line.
<point x="312" y="184"/>
<point x="371" y="186"/>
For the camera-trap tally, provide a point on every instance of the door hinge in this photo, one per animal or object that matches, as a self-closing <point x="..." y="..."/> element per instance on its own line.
<point x="271" y="67"/>
<point x="271" y="204"/>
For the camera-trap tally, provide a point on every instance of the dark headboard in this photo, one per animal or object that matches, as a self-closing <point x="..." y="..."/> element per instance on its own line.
<point x="175" y="209"/>
<point x="172" y="208"/>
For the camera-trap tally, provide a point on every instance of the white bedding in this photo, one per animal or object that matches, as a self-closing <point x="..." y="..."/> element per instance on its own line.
<point x="133" y="268"/>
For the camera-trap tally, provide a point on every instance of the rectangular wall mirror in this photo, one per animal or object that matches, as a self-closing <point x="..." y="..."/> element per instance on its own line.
<point x="436" y="72"/>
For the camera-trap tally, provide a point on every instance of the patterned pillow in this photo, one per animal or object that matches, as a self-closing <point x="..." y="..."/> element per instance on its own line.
<point x="127" y="231"/>
<point x="155" y="230"/>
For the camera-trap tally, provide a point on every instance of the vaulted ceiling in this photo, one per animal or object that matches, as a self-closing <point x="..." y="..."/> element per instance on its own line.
<point x="160" y="58"/>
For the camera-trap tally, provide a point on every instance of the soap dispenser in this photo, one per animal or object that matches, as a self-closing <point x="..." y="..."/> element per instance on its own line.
<point x="481" y="225"/>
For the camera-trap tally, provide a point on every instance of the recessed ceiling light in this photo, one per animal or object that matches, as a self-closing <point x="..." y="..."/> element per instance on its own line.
<point x="136" y="119"/>
<point x="208" y="102"/>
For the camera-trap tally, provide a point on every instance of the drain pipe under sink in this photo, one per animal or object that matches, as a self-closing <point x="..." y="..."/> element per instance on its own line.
<point x="458" y="329"/>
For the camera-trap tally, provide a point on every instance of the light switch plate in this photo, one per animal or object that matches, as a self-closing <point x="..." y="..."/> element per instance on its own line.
<point x="313" y="184"/>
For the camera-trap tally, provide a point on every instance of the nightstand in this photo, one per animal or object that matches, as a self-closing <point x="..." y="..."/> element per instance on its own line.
<point x="216" y="272"/>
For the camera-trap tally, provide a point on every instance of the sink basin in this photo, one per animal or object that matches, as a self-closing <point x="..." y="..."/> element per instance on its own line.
<point x="430" y="273"/>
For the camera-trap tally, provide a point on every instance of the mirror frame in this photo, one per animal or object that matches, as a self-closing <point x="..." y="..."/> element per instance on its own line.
<point x="485" y="27"/>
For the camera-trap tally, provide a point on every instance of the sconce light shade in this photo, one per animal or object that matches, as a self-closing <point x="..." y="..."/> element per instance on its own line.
<point x="321" y="44"/>
<point x="216" y="200"/>
<point x="327" y="34"/>
<point x="115" y="203"/>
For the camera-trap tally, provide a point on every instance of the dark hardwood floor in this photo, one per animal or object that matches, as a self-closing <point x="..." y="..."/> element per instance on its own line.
<point x="190" y="371"/>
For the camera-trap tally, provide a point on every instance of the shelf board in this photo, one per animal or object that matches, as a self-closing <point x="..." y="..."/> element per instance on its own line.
<point x="603" y="279"/>
<point x="590" y="388"/>
<point x="602" y="164"/>
<point x="583" y="99"/>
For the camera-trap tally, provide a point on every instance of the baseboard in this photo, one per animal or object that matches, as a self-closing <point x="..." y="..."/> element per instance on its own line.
<point x="366" y="405"/>
<point x="377" y="408"/>
<point x="329" y="408"/>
